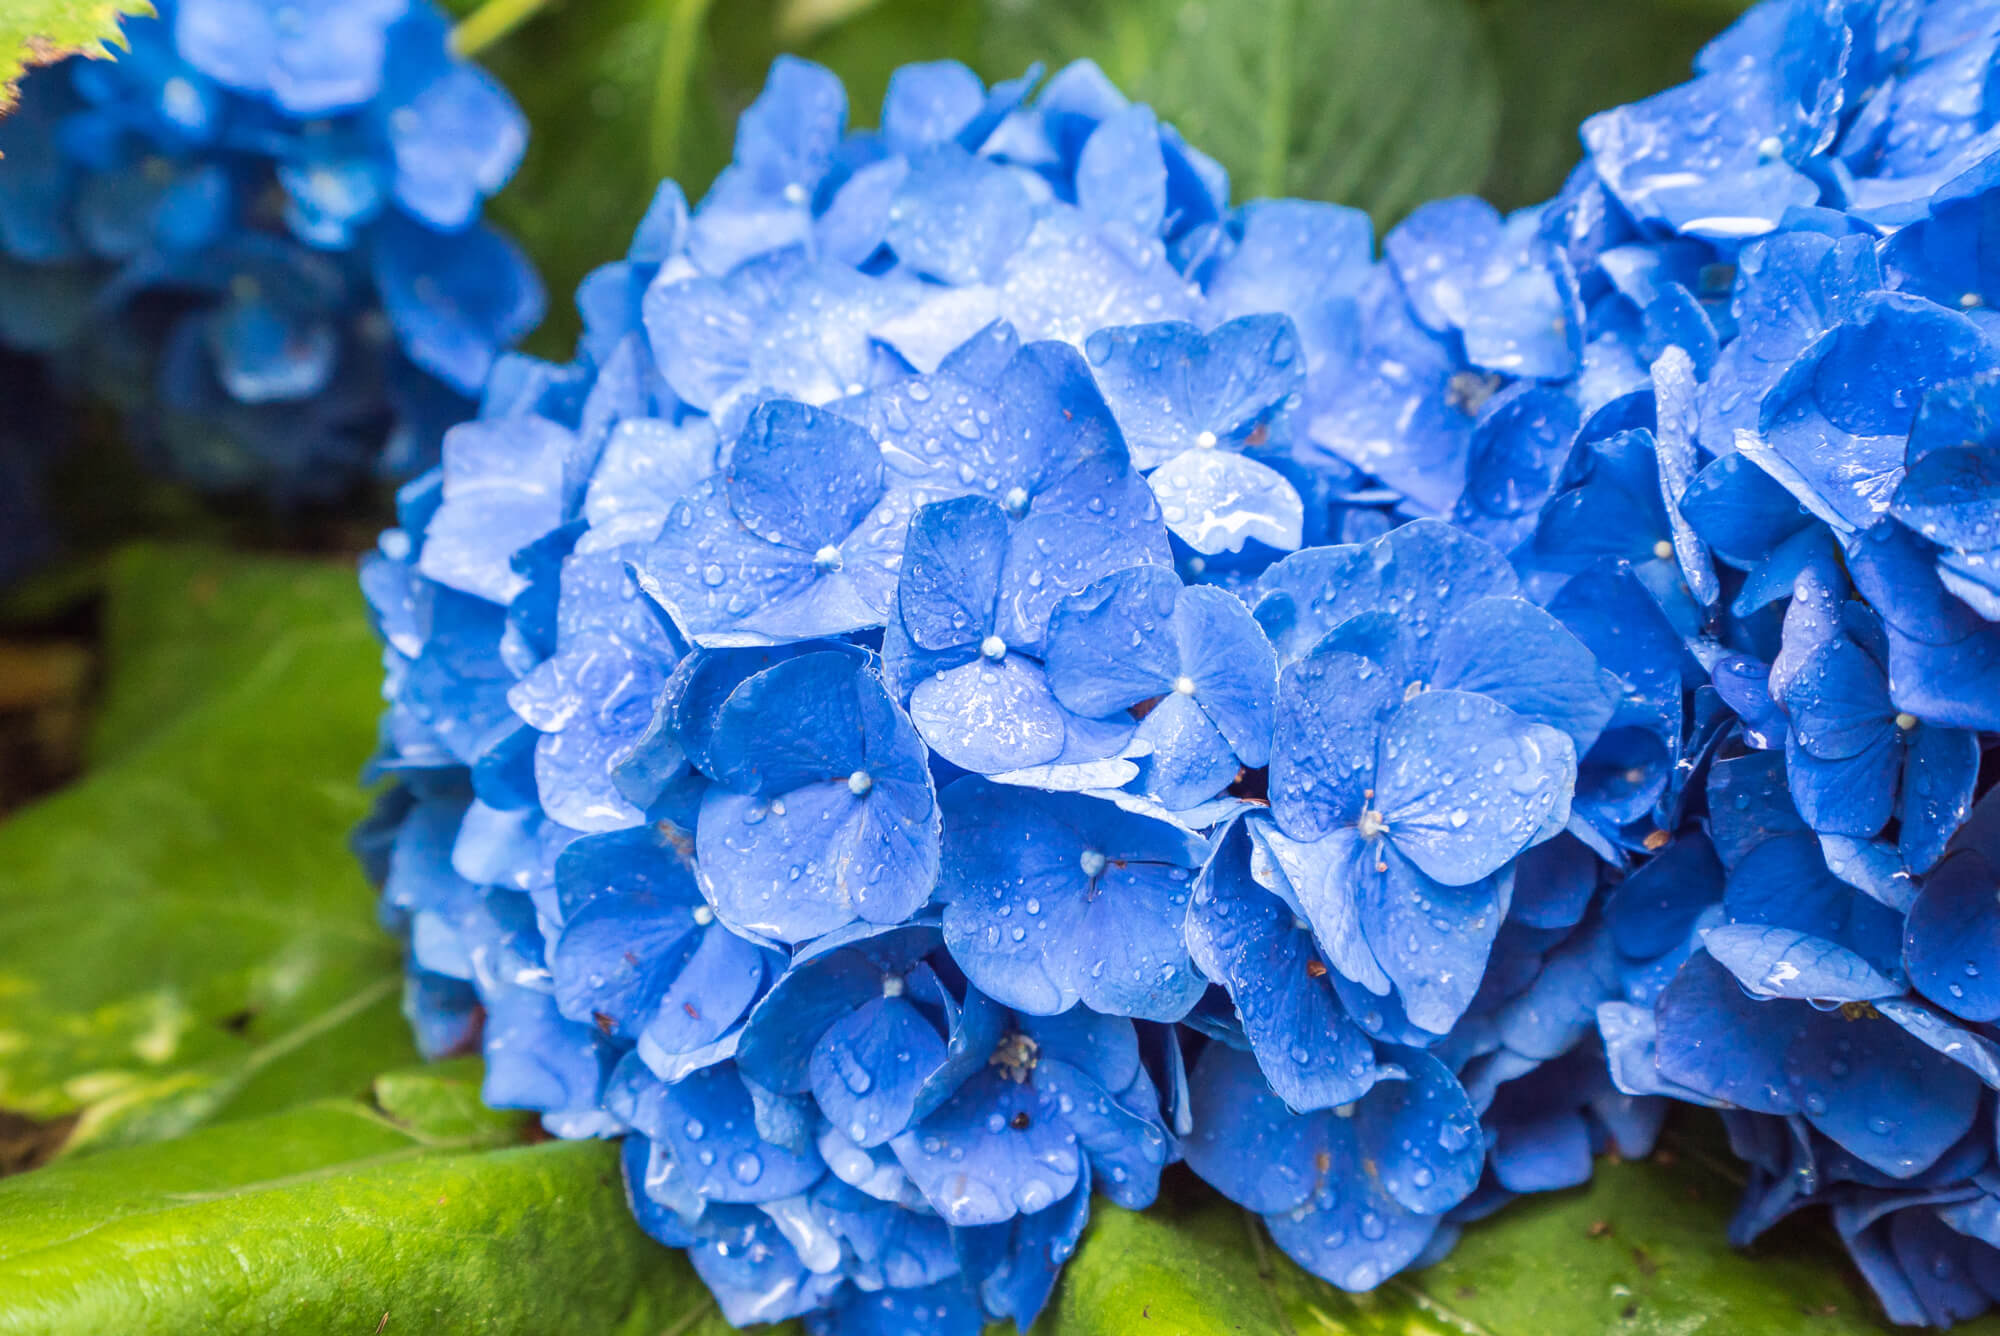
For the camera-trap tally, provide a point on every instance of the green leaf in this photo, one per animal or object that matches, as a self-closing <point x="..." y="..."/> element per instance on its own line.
<point x="1377" y="103"/>
<point x="396" y="1215"/>
<point x="184" y="935"/>
<point x="1562" y="60"/>
<point x="1641" y="1251"/>
<point x="39" y="32"/>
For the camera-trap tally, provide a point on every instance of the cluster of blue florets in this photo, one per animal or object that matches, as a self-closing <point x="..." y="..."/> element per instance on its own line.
<point x="994" y="671"/>
<point x="257" y="230"/>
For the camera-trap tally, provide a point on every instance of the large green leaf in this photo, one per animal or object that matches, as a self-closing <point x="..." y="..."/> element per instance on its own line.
<point x="413" y="1212"/>
<point x="1377" y="103"/>
<point x="1639" y="1252"/>
<point x="36" y="32"/>
<point x="183" y="934"/>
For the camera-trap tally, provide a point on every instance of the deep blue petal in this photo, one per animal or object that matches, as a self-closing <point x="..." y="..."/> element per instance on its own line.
<point x="1950" y="943"/>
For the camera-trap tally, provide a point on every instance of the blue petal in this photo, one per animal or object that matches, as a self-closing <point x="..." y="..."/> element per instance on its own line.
<point x="1190" y="762"/>
<point x="1739" y="511"/>
<point x="706" y="1119"/>
<point x="870" y="1066"/>
<point x="990" y="716"/>
<point x="958" y="218"/>
<point x="1055" y="898"/>
<point x="813" y="719"/>
<point x="996" y="1149"/>
<point x="1246" y="1143"/>
<point x="803" y="477"/>
<point x="1785" y="883"/>
<point x="1839" y="702"/>
<point x="793" y="867"/>
<point x="725" y="587"/>
<point x="1099" y="518"/>
<point x="1560" y="1006"/>
<point x="1421" y="572"/>
<point x="707" y="999"/>
<point x="1852" y="796"/>
<point x="1015" y="1265"/>
<point x="1950" y="944"/>
<point x="1544" y="1154"/>
<point x="1422" y="1135"/>
<point x="1112" y="645"/>
<point x="1317" y="880"/>
<point x="1174" y="389"/>
<point x="929" y="103"/>
<point x="1785" y="963"/>
<point x="456" y="300"/>
<point x="1829" y="420"/>
<point x="1121" y="176"/>
<point x="951" y="572"/>
<point x="455" y="142"/>
<point x="1224" y="653"/>
<point x="1513" y="652"/>
<point x="537" y="1060"/>
<point x="1330" y="711"/>
<point x="1653" y="910"/>
<point x="1748" y="804"/>
<point x="1431" y="939"/>
<point x="1957" y="685"/>
<point x="1216" y="502"/>
<point x="1938" y="782"/>
<point x="1718" y="1041"/>
<point x="1463" y="783"/>
<point x="616" y="955"/>
<point x="1247" y="940"/>
<point x="503" y="488"/>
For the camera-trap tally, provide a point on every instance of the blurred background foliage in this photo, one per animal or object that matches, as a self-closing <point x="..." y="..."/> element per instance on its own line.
<point x="1380" y="104"/>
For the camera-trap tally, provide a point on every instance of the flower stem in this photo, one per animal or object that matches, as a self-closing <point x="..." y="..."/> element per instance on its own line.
<point x="490" y="22"/>
<point x="670" y="93"/>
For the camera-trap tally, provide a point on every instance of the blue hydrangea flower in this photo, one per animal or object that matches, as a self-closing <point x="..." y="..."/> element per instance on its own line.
<point x="1465" y="698"/>
<point x="1051" y="899"/>
<point x="823" y="809"/>
<point x="1196" y="654"/>
<point x="1354" y="1193"/>
<point x="1062" y="1103"/>
<point x="257" y="231"/>
<point x="1402" y="808"/>
<point x="799" y="537"/>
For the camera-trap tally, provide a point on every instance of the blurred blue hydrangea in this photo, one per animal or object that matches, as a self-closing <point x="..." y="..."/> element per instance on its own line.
<point x="994" y="671"/>
<point x="257" y="231"/>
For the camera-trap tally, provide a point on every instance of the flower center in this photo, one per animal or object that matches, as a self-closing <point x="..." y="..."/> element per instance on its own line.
<point x="1015" y="502"/>
<point x="1206" y="440"/>
<point x="1906" y="721"/>
<point x="1371" y="824"/>
<point x="892" y="985"/>
<point x="1092" y="862"/>
<point x="704" y="915"/>
<point x="1015" y="1056"/>
<point x="1184" y="685"/>
<point x="994" y="648"/>
<point x="827" y="560"/>
<point x="1663" y="549"/>
<point x="859" y="783"/>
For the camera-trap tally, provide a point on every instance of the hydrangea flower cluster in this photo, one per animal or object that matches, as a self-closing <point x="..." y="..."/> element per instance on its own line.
<point x="257" y="230"/>
<point x="995" y="671"/>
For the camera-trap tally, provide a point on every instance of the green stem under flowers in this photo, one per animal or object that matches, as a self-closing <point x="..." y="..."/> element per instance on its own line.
<point x="670" y="93"/>
<point x="490" y="22"/>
